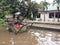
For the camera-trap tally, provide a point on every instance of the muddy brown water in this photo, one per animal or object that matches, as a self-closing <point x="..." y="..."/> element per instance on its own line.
<point x="32" y="37"/>
<point x="24" y="38"/>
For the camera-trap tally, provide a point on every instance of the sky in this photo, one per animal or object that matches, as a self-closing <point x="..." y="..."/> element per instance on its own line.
<point x="38" y="1"/>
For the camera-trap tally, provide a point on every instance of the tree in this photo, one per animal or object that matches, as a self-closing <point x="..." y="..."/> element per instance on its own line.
<point x="8" y="6"/>
<point x="58" y="3"/>
<point x="44" y="6"/>
<point x="30" y="6"/>
<point x="34" y="8"/>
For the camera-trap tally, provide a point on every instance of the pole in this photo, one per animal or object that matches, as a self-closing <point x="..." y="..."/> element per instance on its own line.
<point x="58" y="13"/>
<point x="58" y="9"/>
<point x="44" y="12"/>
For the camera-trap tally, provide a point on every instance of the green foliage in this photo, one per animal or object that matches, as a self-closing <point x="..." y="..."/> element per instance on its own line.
<point x="56" y="1"/>
<point x="32" y="18"/>
<point x="44" y="5"/>
<point x="32" y="6"/>
<point x="9" y="6"/>
<point x="2" y="23"/>
<point x="36" y="5"/>
<point x="6" y="7"/>
<point x="2" y="15"/>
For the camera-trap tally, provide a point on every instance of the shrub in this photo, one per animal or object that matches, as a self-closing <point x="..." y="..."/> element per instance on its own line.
<point x="2" y="23"/>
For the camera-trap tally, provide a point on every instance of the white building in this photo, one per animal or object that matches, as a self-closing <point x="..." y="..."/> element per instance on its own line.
<point x="50" y="15"/>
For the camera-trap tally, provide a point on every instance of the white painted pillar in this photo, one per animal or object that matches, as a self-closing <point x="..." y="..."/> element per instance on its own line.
<point x="54" y="16"/>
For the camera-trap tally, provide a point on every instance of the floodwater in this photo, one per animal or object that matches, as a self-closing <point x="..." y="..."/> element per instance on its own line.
<point x="22" y="38"/>
<point x="32" y="37"/>
<point x="46" y="37"/>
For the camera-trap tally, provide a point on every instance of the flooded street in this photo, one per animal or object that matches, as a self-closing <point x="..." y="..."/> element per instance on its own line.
<point x="45" y="37"/>
<point x="23" y="38"/>
<point x="32" y="37"/>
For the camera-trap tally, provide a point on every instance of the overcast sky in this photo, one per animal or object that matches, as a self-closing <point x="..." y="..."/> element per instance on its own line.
<point x="38" y="1"/>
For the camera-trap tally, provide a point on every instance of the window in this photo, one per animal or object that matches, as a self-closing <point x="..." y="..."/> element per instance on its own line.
<point x="57" y="14"/>
<point x="38" y="16"/>
<point x="51" y="15"/>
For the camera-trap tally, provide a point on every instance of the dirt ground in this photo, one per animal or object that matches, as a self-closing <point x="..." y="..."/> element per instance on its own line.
<point x="23" y="38"/>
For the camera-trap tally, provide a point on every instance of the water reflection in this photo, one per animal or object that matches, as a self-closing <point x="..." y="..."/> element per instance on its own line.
<point x="45" y="37"/>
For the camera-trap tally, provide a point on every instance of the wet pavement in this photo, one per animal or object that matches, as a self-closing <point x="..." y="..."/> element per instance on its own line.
<point x="32" y="37"/>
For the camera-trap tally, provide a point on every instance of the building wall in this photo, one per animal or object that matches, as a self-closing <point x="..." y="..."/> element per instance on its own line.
<point x="46" y="18"/>
<point x="42" y="16"/>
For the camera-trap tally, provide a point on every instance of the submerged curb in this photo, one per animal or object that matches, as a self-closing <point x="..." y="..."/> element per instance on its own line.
<point x="45" y="28"/>
<point x="51" y="23"/>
